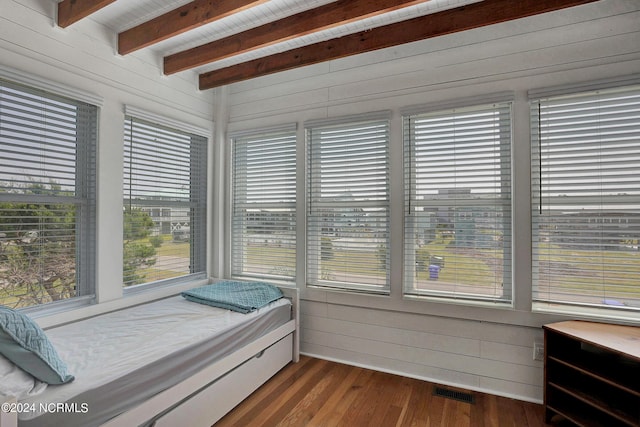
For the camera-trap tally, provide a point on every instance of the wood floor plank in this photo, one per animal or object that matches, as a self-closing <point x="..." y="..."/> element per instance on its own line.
<point x="398" y="393"/>
<point x="434" y="409"/>
<point x="417" y="413"/>
<point x="262" y="403"/>
<point x="329" y="408"/>
<point x="320" y="393"/>
<point x="290" y="398"/>
<point x="308" y="407"/>
<point x="361" y="396"/>
<point x="535" y="416"/>
<point x="265" y="393"/>
<point x="481" y="412"/>
<point x="403" y="400"/>
<point x="345" y="405"/>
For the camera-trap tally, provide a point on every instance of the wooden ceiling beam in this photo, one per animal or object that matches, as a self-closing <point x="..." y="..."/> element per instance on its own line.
<point x="180" y="20"/>
<point x="463" y="18"/>
<point x="70" y="11"/>
<point x="321" y="18"/>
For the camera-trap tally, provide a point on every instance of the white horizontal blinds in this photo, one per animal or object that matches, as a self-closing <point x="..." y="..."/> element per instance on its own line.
<point x="458" y="203"/>
<point x="348" y="197"/>
<point x="47" y="196"/>
<point x="263" y="235"/>
<point x="39" y="142"/>
<point x="164" y="202"/>
<point x="586" y="198"/>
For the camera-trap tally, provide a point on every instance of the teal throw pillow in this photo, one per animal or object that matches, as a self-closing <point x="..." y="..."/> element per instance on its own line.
<point x="25" y="344"/>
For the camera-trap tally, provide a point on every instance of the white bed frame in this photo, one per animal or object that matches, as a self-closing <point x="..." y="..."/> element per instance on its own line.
<point x="204" y="398"/>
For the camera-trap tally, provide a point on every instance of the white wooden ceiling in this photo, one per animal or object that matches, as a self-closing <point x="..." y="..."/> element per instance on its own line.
<point x="121" y="15"/>
<point x="125" y="14"/>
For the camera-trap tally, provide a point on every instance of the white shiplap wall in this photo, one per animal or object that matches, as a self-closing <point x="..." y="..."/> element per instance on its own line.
<point x="475" y="354"/>
<point x="481" y="348"/>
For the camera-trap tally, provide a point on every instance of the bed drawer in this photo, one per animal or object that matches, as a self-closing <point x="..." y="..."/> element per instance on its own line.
<point x="213" y="402"/>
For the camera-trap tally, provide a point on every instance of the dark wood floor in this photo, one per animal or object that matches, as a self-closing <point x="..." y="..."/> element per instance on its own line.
<point x="317" y="392"/>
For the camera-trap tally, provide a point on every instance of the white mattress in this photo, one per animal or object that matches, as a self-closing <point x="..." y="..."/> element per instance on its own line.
<point x="122" y="358"/>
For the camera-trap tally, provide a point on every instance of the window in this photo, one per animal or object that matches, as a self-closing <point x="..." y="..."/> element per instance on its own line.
<point x="586" y="199"/>
<point x="47" y="196"/>
<point x="165" y="191"/>
<point x="348" y="203"/>
<point x="458" y="203"/>
<point x="263" y="235"/>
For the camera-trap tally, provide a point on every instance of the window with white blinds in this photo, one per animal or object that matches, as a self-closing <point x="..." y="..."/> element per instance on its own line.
<point x="47" y="196"/>
<point x="348" y="203"/>
<point x="263" y="230"/>
<point x="457" y="166"/>
<point x="586" y="199"/>
<point x="165" y="191"/>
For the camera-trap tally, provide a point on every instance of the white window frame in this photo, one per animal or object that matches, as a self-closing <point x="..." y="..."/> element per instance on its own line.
<point x="195" y="202"/>
<point x="277" y="184"/>
<point x="553" y="197"/>
<point x="84" y="130"/>
<point x="317" y="201"/>
<point x="501" y="294"/>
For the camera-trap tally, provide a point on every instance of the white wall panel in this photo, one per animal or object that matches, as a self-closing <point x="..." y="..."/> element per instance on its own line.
<point x="399" y="336"/>
<point x="84" y="54"/>
<point x="274" y="104"/>
<point x="387" y="364"/>
<point x="429" y="355"/>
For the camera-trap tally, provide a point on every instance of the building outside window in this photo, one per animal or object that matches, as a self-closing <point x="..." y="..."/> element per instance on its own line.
<point x="458" y="202"/>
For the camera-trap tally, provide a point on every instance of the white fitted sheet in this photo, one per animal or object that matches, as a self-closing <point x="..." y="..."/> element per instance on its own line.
<point x="122" y="358"/>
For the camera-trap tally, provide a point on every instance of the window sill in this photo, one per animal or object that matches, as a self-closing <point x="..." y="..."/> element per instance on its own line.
<point x="460" y="301"/>
<point x="49" y="319"/>
<point x="588" y="313"/>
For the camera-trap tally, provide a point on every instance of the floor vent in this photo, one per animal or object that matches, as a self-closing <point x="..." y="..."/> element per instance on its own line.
<point x="452" y="394"/>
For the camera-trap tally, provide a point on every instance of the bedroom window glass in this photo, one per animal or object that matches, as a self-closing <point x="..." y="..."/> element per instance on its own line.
<point x="165" y="190"/>
<point x="263" y="230"/>
<point x="457" y="180"/>
<point x="348" y="203"/>
<point x="47" y="196"/>
<point x="586" y="200"/>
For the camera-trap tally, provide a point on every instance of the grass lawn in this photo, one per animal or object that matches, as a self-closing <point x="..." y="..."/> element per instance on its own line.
<point x="580" y="271"/>
<point x="577" y="272"/>
<point x="460" y="268"/>
<point x="174" y="249"/>
<point x="152" y="274"/>
<point x="168" y="248"/>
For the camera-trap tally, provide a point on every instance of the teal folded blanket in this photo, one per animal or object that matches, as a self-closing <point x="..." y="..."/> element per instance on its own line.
<point x="243" y="297"/>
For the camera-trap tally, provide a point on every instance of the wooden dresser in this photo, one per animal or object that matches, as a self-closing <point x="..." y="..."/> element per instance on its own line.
<point x="592" y="373"/>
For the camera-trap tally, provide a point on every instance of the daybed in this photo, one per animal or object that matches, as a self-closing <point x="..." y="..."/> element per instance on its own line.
<point x="165" y="363"/>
